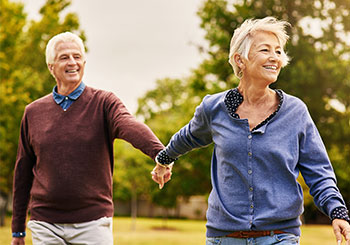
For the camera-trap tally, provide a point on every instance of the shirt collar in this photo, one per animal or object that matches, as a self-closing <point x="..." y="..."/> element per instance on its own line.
<point x="72" y="96"/>
<point x="234" y="98"/>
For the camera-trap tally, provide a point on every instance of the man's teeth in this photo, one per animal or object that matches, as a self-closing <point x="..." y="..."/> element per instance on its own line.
<point x="271" y="67"/>
<point x="72" y="71"/>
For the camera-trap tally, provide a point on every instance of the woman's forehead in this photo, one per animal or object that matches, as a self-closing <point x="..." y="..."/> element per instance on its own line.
<point x="261" y="38"/>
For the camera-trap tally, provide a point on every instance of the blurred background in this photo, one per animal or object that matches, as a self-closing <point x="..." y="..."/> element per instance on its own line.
<point x="161" y="57"/>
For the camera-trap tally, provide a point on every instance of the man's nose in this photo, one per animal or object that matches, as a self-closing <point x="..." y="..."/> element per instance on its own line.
<point x="71" y="60"/>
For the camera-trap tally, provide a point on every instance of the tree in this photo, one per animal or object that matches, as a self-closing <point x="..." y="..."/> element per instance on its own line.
<point x="24" y="74"/>
<point x="318" y="73"/>
<point x="166" y="109"/>
<point x="132" y="176"/>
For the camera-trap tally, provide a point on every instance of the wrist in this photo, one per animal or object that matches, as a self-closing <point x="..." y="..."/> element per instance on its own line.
<point x="19" y="234"/>
<point x="160" y="164"/>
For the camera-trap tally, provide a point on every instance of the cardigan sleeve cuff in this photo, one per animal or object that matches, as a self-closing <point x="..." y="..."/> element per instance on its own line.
<point x="164" y="159"/>
<point x="340" y="213"/>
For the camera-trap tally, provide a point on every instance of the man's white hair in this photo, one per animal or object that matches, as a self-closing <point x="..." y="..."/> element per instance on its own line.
<point x="242" y="38"/>
<point x="62" y="37"/>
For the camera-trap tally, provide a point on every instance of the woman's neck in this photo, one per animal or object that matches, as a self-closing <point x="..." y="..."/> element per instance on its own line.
<point x="254" y="94"/>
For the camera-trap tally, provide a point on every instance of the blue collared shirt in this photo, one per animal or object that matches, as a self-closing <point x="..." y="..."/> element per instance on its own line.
<point x="66" y="101"/>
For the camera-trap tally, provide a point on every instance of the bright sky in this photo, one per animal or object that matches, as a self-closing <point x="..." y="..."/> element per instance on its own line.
<point x="132" y="43"/>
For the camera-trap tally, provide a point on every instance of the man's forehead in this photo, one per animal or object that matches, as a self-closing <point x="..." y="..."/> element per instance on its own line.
<point x="67" y="47"/>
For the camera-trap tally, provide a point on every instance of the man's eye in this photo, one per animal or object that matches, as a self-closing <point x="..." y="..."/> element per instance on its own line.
<point x="264" y="50"/>
<point x="279" y="52"/>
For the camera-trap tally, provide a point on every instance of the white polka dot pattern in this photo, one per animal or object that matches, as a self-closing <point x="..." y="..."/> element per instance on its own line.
<point x="234" y="98"/>
<point x="340" y="213"/>
<point x="163" y="158"/>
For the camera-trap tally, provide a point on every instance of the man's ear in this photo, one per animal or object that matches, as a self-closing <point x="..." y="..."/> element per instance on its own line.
<point x="50" y="67"/>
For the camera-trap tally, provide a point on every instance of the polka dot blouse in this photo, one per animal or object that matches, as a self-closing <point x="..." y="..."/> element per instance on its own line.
<point x="234" y="99"/>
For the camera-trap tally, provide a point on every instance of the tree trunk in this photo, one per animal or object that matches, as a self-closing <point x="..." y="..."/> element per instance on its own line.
<point x="4" y="200"/>
<point x="165" y="218"/>
<point x="133" y="209"/>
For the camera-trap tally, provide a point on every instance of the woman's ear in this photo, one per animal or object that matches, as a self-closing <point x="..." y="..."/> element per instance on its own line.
<point x="238" y="60"/>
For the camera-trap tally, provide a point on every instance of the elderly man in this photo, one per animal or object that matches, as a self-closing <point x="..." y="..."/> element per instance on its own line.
<point x="65" y="157"/>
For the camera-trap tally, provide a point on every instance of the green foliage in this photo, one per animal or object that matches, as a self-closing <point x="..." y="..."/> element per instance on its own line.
<point x="132" y="172"/>
<point x="24" y="76"/>
<point x="318" y="73"/>
<point x="166" y="109"/>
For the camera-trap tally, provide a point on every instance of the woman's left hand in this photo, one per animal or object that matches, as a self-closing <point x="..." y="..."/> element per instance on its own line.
<point x="162" y="174"/>
<point x="341" y="229"/>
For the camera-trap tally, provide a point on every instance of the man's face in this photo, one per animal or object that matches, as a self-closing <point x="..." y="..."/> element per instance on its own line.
<point x="69" y="64"/>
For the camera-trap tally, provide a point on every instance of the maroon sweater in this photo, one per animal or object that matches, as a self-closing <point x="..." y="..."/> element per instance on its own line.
<point x="64" y="162"/>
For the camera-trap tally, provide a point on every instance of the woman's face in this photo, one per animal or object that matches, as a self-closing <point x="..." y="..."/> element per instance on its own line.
<point x="264" y="59"/>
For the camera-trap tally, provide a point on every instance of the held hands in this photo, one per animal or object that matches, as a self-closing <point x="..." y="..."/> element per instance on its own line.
<point x="341" y="229"/>
<point x="162" y="174"/>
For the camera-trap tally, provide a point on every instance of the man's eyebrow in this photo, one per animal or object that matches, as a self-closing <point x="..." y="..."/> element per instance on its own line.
<point x="64" y="54"/>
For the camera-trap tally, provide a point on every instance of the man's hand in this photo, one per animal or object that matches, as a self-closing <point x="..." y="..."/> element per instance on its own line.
<point x="341" y="229"/>
<point x="162" y="174"/>
<point x="18" y="241"/>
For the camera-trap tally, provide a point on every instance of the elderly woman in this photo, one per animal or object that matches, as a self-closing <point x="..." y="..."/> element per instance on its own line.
<point x="263" y="138"/>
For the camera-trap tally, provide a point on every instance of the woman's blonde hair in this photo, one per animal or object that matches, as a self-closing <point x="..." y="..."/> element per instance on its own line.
<point x="242" y="38"/>
<point x="62" y="37"/>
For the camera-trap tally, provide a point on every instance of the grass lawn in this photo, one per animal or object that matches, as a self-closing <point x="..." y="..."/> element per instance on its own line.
<point x="152" y="232"/>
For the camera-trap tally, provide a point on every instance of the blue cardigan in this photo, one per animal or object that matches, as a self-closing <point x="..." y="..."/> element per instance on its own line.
<point x="254" y="173"/>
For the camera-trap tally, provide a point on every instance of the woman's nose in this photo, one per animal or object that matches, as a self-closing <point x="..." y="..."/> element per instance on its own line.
<point x="273" y="56"/>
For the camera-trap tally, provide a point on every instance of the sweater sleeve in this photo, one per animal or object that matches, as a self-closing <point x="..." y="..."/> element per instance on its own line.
<point x="196" y="134"/>
<point x="124" y="126"/>
<point x="317" y="169"/>
<point x="23" y="178"/>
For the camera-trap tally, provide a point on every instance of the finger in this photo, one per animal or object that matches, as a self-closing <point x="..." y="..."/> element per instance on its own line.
<point x="345" y="231"/>
<point x="167" y="177"/>
<point x="337" y="230"/>
<point x="155" y="177"/>
<point x="338" y="235"/>
<point x="347" y="238"/>
<point x="161" y="182"/>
